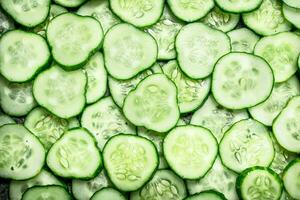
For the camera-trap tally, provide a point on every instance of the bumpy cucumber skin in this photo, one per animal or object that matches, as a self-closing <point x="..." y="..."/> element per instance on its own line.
<point x="295" y="161"/>
<point x="207" y="192"/>
<point x="237" y="12"/>
<point x="37" y="186"/>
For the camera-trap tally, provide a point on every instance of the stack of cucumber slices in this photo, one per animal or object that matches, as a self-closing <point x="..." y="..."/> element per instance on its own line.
<point x="150" y="99"/>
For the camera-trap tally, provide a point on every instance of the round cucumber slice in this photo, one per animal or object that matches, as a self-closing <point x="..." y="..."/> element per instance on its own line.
<point x="47" y="192"/>
<point x="108" y="193"/>
<point x="243" y="40"/>
<point x="292" y="15"/>
<point x="292" y="3"/>
<point x="6" y="23"/>
<point x="69" y="3"/>
<point x="291" y="179"/>
<point x="5" y="119"/>
<point x="210" y="194"/>
<point x="239" y="6"/>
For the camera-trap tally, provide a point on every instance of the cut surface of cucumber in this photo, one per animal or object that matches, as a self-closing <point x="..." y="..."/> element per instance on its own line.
<point x="69" y="3"/>
<point x="291" y="179"/>
<point x="207" y="195"/>
<point x="108" y="193"/>
<point x="292" y="15"/>
<point x="5" y="119"/>
<point x="239" y="6"/>
<point x="6" y="23"/>
<point x="46" y="192"/>
<point x="243" y="40"/>
<point x="292" y="3"/>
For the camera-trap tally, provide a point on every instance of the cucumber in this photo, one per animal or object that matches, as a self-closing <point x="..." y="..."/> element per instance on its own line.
<point x="281" y="51"/>
<point x="243" y="40"/>
<point x="46" y="192"/>
<point x="292" y="15"/>
<point x="156" y="68"/>
<point x="5" y="119"/>
<point x="130" y="161"/>
<point x="210" y="194"/>
<point x="6" y="23"/>
<point x="259" y="183"/>
<point x="73" y="39"/>
<point x="108" y="193"/>
<point x="241" y="80"/>
<point x="22" y="156"/>
<point x="153" y="104"/>
<point x="267" y="111"/>
<point x="73" y="123"/>
<point x="190" y="10"/>
<point x="238" y="6"/>
<point x="27" y="13"/>
<point x="216" y="118"/>
<point x="75" y="155"/>
<point x="128" y="51"/>
<point x="140" y="13"/>
<point x="246" y="144"/>
<point x="291" y="178"/>
<point x="61" y="92"/>
<point x="69" y="3"/>
<point x="165" y="185"/>
<point x="292" y="3"/>
<point x="190" y="93"/>
<point x="198" y="48"/>
<point x="190" y="151"/>
<point x="104" y="120"/>
<point x="22" y="55"/>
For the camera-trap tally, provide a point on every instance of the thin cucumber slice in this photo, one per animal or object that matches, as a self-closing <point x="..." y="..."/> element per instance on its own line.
<point x="292" y="15"/>
<point x="22" y="55"/>
<point x="267" y="19"/>
<point x="17" y="188"/>
<point x="97" y="78"/>
<point x="281" y="51"/>
<point x="216" y="118"/>
<point x="73" y="39"/>
<point x="76" y="155"/>
<point x="198" y="48"/>
<point x="246" y="144"/>
<point x="130" y="161"/>
<point x="104" y="119"/>
<point x="292" y="3"/>
<point x="190" y="10"/>
<point x="207" y="195"/>
<point x="6" y="23"/>
<point x="61" y="92"/>
<point x="156" y="68"/>
<point x="153" y="104"/>
<point x="22" y="156"/>
<point x="286" y="126"/>
<point x="140" y="13"/>
<point x="108" y="193"/>
<point x="267" y="111"/>
<point x="259" y="183"/>
<point x="218" y="178"/>
<point x="221" y="20"/>
<point x="5" y="119"/>
<point x="27" y="13"/>
<point x="190" y="151"/>
<point x="241" y="80"/>
<point x="128" y="51"/>
<point x="243" y="40"/>
<point x="99" y="10"/>
<point x="190" y="93"/>
<point x="239" y="6"/>
<point x="69" y="3"/>
<point x="164" y="32"/>
<point x="47" y="192"/>
<point x="165" y="185"/>
<point x="291" y="179"/>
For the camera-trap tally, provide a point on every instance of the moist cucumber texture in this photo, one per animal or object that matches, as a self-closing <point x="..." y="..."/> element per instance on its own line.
<point x="108" y="193"/>
<point x="50" y="192"/>
<point x="238" y="6"/>
<point x="5" y="119"/>
<point x="292" y="3"/>
<point x="291" y="183"/>
<point x="243" y="40"/>
<point x="211" y="194"/>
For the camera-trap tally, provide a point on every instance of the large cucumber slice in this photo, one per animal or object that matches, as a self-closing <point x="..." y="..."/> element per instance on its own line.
<point x="47" y="192"/>
<point x="243" y="40"/>
<point x="207" y="195"/>
<point x="108" y="193"/>
<point x="239" y="6"/>
<point x="291" y="179"/>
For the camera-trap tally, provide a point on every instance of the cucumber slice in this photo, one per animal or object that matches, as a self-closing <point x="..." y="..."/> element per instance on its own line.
<point x="267" y="111"/>
<point x="104" y="120"/>
<point x="292" y="15"/>
<point x="243" y="40"/>
<point x="164" y="185"/>
<point x="6" y="23"/>
<point x="198" y="48"/>
<point x="190" y="151"/>
<point x="259" y="183"/>
<point x="286" y="196"/>
<point x="73" y="123"/>
<point x="246" y="144"/>
<point x="22" y="156"/>
<point x="99" y="10"/>
<point x="75" y="154"/>
<point x="61" y="92"/>
<point x="46" y="192"/>
<point x="292" y="3"/>
<point x="17" y="188"/>
<point x="153" y="104"/>
<point x="5" y="119"/>
<point x="239" y="6"/>
<point x="22" y="55"/>
<point x="241" y="80"/>
<point x="128" y="51"/>
<point x="70" y="3"/>
<point x="216" y="118"/>
<point x="281" y="51"/>
<point x="108" y="193"/>
<point x="156" y="68"/>
<point x="190" y="10"/>
<point x="286" y="126"/>
<point x="210" y="194"/>
<point x="140" y="13"/>
<point x="130" y="161"/>
<point x="73" y="39"/>
<point x="291" y="179"/>
<point x="27" y="13"/>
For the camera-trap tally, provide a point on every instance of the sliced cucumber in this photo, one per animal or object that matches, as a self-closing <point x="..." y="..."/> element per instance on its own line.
<point x="239" y="6"/>
<point x="130" y="161"/>
<point x="198" y="48"/>
<point x="156" y="68"/>
<point x="5" y="119"/>
<point x="128" y="51"/>
<point x="75" y="154"/>
<point x="153" y="104"/>
<point x="246" y="144"/>
<point x="243" y="40"/>
<point x="207" y="195"/>
<point x="108" y="193"/>
<point x="6" y="23"/>
<point x="61" y="92"/>
<point x="46" y="192"/>
<point x="292" y="3"/>
<point x="190" y="93"/>
<point x="69" y="3"/>
<point x="22" y="55"/>
<point x="104" y="120"/>
<point x="22" y="156"/>
<point x="291" y="179"/>
<point x="267" y="111"/>
<point x="241" y="80"/>
<point x="73" y="123"/>
<point x="292" y="15"/>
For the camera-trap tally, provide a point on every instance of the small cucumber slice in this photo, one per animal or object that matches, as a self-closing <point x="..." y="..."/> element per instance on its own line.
<point x="5" y="119"/>
<point x="75" y="155"/>
<point x="205" y="195"/>
<point x="6" y="23"/>
<point x="292" y="3"/>
<point x="46" y="192"/>
<point x="291" y="179"/>
<point x="292" y="15"/>
<point x="153" y="104"/>
<point x="108" y="193"/>
<point x="130" y="161"/>
<point x="69" y="3"/>
<point x="239" y="6"/>
<point x="243" y="40"/>
<point x="22" y="156"/>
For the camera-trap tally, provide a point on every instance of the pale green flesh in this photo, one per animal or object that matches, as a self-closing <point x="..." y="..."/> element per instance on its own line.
<point x="69" y="3"/>
<point x="108" y="193"/>
<point x="6" y="23"/>
<point x="292" y="3"/>
<point x="243" y="40"/>
<point x="292" y="15"/>
<point x="291" y="179"/>
<point x="46" y="192"/>
<point x="239" y="6"/>
<point x="206" y="196"/>
<point x="5" y="119"/>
